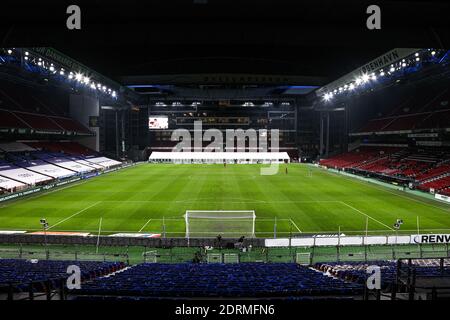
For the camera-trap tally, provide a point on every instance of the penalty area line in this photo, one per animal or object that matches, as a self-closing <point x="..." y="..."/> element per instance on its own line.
<point x="75" y="214"/>
<point x="292" y="221"/>
<point x="366" y="215"/>
<point x="145" y="225"/>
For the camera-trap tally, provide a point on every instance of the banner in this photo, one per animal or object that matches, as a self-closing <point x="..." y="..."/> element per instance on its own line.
<point x="430" y="238"/>
<point x="358" y="240"/>
<point x="442" y="197"/>
<point x="136" y="235"/>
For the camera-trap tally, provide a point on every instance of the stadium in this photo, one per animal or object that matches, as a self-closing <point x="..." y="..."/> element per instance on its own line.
<point x="135" y="181"/>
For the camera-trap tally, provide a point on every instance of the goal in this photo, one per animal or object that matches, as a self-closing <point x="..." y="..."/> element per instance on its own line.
<point x="226" y="223"/>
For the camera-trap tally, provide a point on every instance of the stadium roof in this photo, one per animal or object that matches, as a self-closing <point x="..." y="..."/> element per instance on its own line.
<point x="319" y="38"/>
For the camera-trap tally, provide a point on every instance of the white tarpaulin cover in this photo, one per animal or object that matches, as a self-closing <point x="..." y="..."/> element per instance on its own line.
<point x="23" y="175"/>
<point x="49" y="169"/>
<point x="271" y="156"/>
<point x="86" y="163"/>
<point x="8" y="184"/>
<point x="71" y="165"/>
<point x="103" y="161"/>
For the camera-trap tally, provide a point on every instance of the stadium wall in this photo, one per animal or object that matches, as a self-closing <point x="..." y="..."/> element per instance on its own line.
<point x="306" y="242"/>
<point x="125" y="241"/>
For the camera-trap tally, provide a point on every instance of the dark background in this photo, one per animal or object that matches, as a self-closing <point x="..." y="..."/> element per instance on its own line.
<point x="310" y="38"/>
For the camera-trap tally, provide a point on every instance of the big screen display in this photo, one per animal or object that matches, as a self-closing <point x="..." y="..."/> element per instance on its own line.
<point x="158" y="122"/>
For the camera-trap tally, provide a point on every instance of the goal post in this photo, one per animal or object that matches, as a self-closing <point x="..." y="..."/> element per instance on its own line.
<point x="226" y="223"/>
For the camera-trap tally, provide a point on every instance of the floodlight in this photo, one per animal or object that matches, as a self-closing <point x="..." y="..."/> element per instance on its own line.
<point x="365" y="78"/>
<point x="433" y="53"/>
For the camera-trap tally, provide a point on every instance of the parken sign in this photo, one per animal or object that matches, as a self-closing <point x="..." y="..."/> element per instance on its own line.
<point x="430" y="238"/>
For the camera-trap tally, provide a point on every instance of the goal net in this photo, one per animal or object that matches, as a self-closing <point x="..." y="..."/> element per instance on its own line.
<point x="228" y="224"/>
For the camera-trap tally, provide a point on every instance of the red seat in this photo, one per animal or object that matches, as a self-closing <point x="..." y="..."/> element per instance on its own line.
<point x="9" y="120"/>
<point x="38" y="121"/>
<point x="70" y="125"/>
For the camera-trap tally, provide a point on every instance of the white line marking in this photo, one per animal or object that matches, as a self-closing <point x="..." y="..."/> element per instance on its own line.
<point x="144" y="225"/>
<point x="75" y="214"/>
<point x="367" y="215"/>
<point x="371" y="184"/>
<point x="193" y="201"/>
<point x="99" y="232"/>
<point x="292" y="221"/>
<point x="380" y="232"/>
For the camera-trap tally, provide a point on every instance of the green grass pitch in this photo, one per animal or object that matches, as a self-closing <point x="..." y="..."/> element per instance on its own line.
<point x="137" y="199"/>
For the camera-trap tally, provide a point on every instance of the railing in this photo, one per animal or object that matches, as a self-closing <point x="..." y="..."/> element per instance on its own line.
<point x="39" y="290"/>
<point x="48" y="253"/>
<point x="173" y="254"/>
<point x="428" y="286"/>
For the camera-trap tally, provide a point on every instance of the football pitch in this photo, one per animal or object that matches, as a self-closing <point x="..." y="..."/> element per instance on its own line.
<point x="150" y="198"/>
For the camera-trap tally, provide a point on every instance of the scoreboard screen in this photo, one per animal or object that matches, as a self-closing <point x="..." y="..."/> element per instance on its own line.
<point x="158" y="122"/>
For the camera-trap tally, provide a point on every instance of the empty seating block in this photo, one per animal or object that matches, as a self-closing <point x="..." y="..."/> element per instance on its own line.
<point x="24" y="272"/>
<point x="70" y="125"/>
<point x="10" y="121"/>
<point x="38" y="122"/>
<point x="212" y="280"/>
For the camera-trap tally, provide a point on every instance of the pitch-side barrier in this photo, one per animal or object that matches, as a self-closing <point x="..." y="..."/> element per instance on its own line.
<point x="358" y="240"/>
